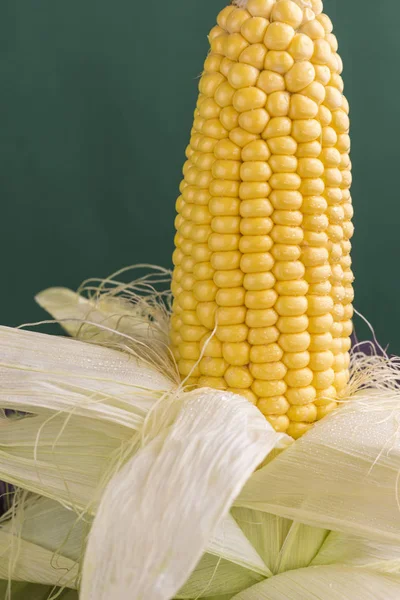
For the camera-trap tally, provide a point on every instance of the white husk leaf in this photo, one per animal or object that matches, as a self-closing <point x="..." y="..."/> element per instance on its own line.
<point x="97" y="319"/>
<point x="63" y="457"/>
<point x="344" y="474"/>
<point x="179" y="486"/>
<point x="325" y="583"/>
<point x="39" y="371"/>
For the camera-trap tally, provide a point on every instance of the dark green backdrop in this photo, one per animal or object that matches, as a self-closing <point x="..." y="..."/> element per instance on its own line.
<point x="96" y="106"/>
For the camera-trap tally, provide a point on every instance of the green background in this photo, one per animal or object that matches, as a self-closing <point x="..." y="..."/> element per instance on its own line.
<point x="96" y="107"/>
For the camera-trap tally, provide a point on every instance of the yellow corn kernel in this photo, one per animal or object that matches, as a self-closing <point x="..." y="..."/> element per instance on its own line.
<point x="222" y="241"/>
<point x="313" y="29"/>
<point x="296" y="360"/>
<point x="250" y="190"/>
<point x="277" y="405"/>
<point x="285" y="252"/>
<point x="236" y="19"/>
<point x="278" y="36"/>
<point x="302" y="107"/>
<point x="296" y="324"/>
<point x="255" y="226"/>
<point x="241" y="137"/>
<point x="301" y="47"/>
<point x="226" y="261"/>
<point x="233" y="46"/>
<point x="250" y="244"/>
<point x="270" y="81"/>
<point x="254" y="55"/>
<point x="301" y="396"/>
<point x="260" y="8"/>
<point x="279" y="423"/>
<point x="238" y="377"/>
<point x="232" y="333"/>
<point x="212" y="367"/>
<point x="278" y="61"/>
<point x="231" y="297"/>
<point x="305" y="413"/>
<point x="249" y="99"/>
<point x="266" y="354"/>
<point x="294" y="342"/>
<point x="236" y="353"/>
<point x="299" y="76"/>
<point x="210" y="346"/>
<point x="229" y="118"/>
<point x="315" y="91"/>
<point x="217" y="383"/>
<point x="282" y="145"/>
<point x="263" y="335"/>
<point x="270" y="371"/>
<point x="256" y="151"/>
<point x="254" y="29"/>
<point x="256" y="208"/>
<point x="291" y="306"/>
<point x="258" y="281"/>
<point x="289" y="12"/>
<point x="321" y="361"/>
<point x="261" y="299"/>
<point x="267" y="389"/>
<point x="231" y="315"/>
<point x="228" y="279"/>
<point x="188" y="368"/>
<point x="278" y="104"/>
<point x="242" y="75"/>
<point x="261" y="317"/>
<point x="254" y="121"/>
<point x="322" y="73"/>
<point x="189" y="350"/>
<point x="223" y="16"/>
<point x="297" y="287"/>
<point x="290" y="270"/>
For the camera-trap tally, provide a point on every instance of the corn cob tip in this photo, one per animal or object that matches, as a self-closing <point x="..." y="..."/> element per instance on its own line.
<point x="311" y="8"/>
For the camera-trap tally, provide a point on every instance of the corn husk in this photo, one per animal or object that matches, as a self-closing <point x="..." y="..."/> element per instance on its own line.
<point x="150" y="491"/>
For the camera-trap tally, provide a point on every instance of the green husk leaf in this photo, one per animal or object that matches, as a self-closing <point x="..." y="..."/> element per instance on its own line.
<point x="50" y="525"/>
<point x="23" y="561"/>
<point x="349" y="550"/>
<point x="325" y="583"/>
<point x="282" y="544"/>
<point x="214" y="576"/>
<point x="230" y="543"/>
<point x="33" y="591"/>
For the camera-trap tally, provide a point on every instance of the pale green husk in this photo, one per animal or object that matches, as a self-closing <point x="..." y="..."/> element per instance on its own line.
<point x="137" y="489"/>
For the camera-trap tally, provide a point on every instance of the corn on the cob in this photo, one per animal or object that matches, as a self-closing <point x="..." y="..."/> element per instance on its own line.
<point x="264" y="218"/>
